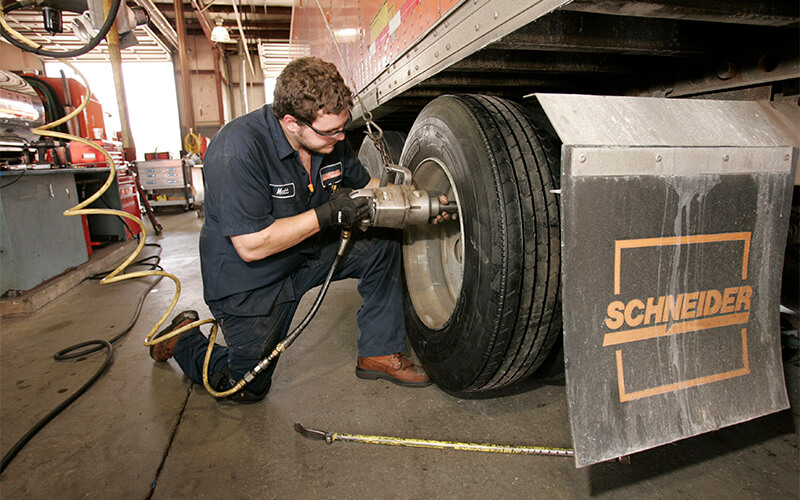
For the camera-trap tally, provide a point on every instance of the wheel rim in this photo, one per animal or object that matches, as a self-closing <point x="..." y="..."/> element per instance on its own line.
<point x="433" y="254"/>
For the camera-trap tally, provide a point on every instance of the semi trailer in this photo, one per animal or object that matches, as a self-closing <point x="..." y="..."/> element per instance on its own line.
<point x="625" y="173"/>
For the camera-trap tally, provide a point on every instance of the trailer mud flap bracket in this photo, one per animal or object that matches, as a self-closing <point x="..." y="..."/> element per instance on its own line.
<point x="672" y="253"/>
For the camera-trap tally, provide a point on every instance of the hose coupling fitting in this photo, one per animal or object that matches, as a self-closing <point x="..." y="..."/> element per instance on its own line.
<point x="345" y="239"/>
<point x="265" y="362"/>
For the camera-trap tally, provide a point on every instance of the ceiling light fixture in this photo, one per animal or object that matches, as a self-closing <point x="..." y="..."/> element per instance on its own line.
<point x="220" y="33"/>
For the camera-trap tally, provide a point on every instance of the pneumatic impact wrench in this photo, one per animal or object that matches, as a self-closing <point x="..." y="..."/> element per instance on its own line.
<point x="401" y="205"/>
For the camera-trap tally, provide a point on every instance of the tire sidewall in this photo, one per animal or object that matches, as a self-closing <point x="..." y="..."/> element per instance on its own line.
<point x="453" y="354"/>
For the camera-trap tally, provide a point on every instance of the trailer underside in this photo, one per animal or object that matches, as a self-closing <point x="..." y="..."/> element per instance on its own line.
<point x="733" y="49"/>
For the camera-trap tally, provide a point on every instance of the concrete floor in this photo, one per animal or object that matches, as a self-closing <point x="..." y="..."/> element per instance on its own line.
<point x="145" y="431"/>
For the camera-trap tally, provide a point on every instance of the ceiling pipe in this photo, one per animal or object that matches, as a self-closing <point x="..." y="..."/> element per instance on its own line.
<point x="244" y="40"/>
<point x="207" y="5"/>
<point x="218" y="85"/>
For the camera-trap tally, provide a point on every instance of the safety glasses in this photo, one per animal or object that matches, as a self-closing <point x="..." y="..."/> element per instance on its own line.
<point x="329" y="134"/>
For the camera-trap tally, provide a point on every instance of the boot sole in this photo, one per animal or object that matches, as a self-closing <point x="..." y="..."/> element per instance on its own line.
<point x="375" y="375"/>
<point x="192" y="315"/>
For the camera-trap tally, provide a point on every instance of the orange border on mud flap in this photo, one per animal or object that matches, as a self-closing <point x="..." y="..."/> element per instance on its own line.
<point x="689" y="326"/>
<point x="625" y="396"/>
<point x="678" y="240"/>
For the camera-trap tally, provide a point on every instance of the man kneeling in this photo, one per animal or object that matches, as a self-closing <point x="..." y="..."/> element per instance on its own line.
<point x="277" y="184"/>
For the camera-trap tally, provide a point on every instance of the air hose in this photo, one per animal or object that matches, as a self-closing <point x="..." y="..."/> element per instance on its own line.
<point x="81" y="209"/>
<point x="21" y="442"/>
<point x="191" y="143"/>
<point x="73" y="352"/>
<point x="285" y="343"/>
<point x="21" y="42"/>
<point x="117" y="276"/>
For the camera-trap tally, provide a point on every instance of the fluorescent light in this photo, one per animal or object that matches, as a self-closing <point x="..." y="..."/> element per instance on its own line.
<point x="347" y="34"/>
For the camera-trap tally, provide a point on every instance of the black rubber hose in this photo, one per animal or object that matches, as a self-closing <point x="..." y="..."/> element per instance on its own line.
<point x="102" y="344"/>
<point x="112" y="17"/>
<point x="313" y="311"/>
<point x="24" y="171"/>
<point x="285" y="343"/>
<point x="107" y="205"/>
<point x="69" y="353"/>
<point x="52" y="104"/>
<point x="12" y="7"/>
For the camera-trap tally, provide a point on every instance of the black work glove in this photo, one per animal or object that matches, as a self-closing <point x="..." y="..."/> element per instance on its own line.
<point x="341" y="210"/>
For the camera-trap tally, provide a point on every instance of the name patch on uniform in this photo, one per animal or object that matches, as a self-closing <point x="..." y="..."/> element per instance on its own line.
<point x="331" y="174"/>
<point x="282" y="190"/>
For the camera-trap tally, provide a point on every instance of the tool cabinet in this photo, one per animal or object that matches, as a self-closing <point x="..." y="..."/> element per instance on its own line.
<point x="167" y="182"/>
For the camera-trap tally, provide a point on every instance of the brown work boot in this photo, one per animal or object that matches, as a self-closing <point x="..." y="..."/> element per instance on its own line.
<point x="394" y="368"/>
<point x="163" y="351"/>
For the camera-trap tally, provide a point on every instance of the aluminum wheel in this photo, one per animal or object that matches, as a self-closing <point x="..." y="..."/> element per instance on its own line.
<point x="433" y="254"/>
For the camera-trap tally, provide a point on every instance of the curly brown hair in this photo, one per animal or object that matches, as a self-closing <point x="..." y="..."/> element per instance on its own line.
<point x="307" y="85"/>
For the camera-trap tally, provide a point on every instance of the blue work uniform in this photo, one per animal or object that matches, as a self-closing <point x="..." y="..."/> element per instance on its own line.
<point x="254" y="176"/>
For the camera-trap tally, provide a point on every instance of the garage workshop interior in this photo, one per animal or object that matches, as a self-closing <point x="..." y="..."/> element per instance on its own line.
<point x="440" y="248"/>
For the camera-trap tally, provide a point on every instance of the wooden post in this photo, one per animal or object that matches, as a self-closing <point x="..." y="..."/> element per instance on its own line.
<point x="188" y="101"/>
<point x="112" y="40"/>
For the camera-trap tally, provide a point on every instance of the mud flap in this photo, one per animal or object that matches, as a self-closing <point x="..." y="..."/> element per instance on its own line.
<point x="674" y="224"/>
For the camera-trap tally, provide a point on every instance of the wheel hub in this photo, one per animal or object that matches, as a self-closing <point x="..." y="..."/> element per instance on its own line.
<point x="433" y="254"/>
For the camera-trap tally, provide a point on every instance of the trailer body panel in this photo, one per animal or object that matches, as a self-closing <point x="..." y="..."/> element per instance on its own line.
<point x="384" y="48"/>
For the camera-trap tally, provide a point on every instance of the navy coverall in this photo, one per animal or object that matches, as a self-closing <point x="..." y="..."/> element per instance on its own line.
<point x="253" y="176"/>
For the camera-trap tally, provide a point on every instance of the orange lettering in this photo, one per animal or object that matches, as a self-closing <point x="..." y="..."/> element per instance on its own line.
<point x="653" y="312"/>
<point x="700" y="303"/>
<point x="713" y="302"/>
<point x="674" y="306"/>
<point x="629" y="318"/>
<point x="615" y="317"/>
<point x="743" y="299"/>
<point x="689" y="303"/>
<point x="728" y="299"/>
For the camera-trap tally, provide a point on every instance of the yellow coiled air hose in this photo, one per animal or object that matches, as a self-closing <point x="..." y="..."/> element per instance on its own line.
<point x="117" y="274"/>
<point x="191" y="143"/>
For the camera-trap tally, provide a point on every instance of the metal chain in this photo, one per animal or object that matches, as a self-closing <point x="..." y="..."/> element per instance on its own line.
<point x="375" y="133"/>
<point x="373" y="130"/>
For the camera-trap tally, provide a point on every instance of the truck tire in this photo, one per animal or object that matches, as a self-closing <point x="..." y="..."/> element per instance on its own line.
<point x="482" y="299"/>
<point x="371" y="158"/>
